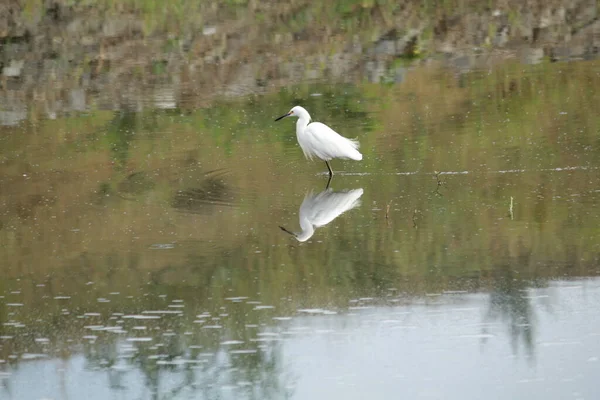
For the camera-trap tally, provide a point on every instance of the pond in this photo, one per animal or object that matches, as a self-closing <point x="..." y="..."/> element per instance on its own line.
<point x="144" y="255"/>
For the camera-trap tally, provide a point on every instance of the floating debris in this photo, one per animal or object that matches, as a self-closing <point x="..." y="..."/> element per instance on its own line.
<point x="137" y="316"/>
<point x="32" y="356"/>
<point x="266" y="339"/>
<point x="236" y="299"/>
<point x="263" y="307"/>
<point x="139" y="339"/>
<point x="162" y="246"/>
<point x="247" y="351"/>
<point x="316" y="311"/>
<point x="231" y="342"/>
<point x="15" y="324"/>
<point x="116" y="330"/>
<point x="163" y="312"/>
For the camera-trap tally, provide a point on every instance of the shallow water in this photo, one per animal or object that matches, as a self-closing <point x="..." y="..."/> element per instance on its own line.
<point x="143" y="255"/>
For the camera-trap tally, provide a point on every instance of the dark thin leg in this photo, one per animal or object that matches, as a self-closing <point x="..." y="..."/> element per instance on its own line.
<point x="328" y="182"/>
<point x="329" y="168"/>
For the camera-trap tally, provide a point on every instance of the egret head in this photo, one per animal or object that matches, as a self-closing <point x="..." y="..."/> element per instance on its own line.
<point x="297" y="111"/>
<point x="303" y="236"/>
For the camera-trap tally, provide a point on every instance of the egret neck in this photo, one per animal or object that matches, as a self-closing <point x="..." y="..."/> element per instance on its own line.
<point x="303" y="121"/>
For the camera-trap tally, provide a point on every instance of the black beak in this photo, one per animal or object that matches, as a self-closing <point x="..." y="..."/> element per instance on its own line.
<point x="283" y="116"/>
<point x="281" y="227"/>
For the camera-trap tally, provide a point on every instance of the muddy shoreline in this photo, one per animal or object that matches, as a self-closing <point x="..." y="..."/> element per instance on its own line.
<point x="60" y="56"/>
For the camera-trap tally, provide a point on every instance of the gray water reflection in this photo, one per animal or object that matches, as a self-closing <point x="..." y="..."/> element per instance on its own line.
<point x="414" y="349"/>
<point x="370" y="349"/>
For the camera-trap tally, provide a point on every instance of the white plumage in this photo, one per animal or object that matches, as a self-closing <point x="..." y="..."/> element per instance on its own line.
<point x="320" y="209"/>
<point x="319" y="140"/>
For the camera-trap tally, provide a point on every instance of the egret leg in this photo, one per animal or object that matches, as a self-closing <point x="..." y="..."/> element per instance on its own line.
<point x="328" y="182"/>
<point x="329" y="168"/>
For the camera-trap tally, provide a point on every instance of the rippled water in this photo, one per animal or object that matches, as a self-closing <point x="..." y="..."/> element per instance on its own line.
<point x="143" y="254"/>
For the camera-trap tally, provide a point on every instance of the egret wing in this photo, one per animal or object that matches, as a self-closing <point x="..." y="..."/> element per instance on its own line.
<point x="324" y="207"/>
<point x="326" y="143"/>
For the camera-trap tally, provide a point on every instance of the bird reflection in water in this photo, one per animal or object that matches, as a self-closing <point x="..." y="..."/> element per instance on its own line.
<point x="320" y="209"/>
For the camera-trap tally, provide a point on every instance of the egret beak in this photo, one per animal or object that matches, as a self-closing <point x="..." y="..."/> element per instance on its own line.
<point x="281" y="227"/>
<point x="284" y="115"/>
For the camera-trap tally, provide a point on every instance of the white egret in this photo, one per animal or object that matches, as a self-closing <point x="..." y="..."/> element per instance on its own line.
<point x="320" y="209"/>
<point x="319" y="140"/>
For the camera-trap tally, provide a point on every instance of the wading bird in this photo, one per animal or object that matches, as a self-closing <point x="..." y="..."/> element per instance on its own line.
<point x="319" y="140"/>
<point x="320" y="209"/>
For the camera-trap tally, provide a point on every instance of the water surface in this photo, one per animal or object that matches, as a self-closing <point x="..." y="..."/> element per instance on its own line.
<point x="143" y="256"/>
